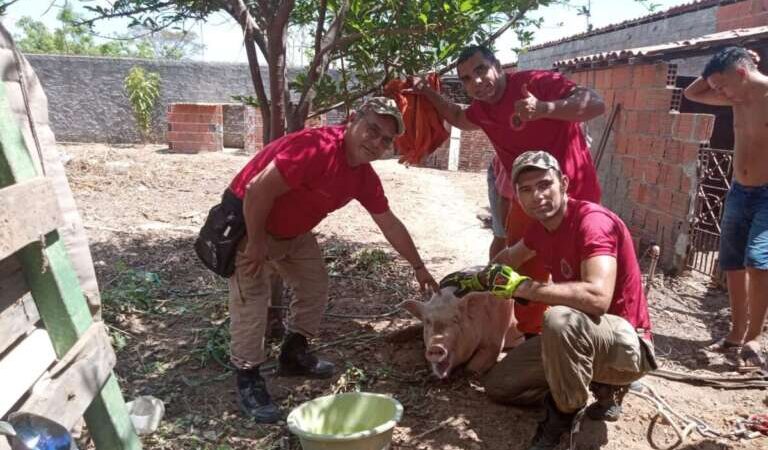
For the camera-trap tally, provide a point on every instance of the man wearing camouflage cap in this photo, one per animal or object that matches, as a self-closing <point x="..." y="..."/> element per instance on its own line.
<point x="596" y="331"/>
<point x="286" y="190"/>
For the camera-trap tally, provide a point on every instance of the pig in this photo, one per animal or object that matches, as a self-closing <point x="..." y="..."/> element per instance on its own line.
<point x="472" y="329"/>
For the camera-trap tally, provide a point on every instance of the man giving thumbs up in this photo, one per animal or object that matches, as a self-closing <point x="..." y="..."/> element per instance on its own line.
<point x="521" y="111"/>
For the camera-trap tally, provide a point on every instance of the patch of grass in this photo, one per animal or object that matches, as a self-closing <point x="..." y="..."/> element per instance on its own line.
<point x="130" y="291"/>
<point x="354" y="379"/>
<point x="214" y="345"/>
<point x="371" y="260"/>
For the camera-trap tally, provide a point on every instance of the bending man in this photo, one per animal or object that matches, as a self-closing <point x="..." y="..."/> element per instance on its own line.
<point x="287" y="189"/>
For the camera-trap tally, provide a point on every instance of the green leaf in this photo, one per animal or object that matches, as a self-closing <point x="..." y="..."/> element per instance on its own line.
<point x="467" y="5"/>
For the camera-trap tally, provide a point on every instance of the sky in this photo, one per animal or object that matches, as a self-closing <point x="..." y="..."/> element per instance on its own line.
<point x="222" y="38"/>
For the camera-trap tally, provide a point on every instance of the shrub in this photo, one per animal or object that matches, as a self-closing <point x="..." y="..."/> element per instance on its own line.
<point x="143" y="89"/>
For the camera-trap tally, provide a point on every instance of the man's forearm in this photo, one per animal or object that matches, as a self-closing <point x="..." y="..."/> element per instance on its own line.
<point x="697" y="88"/>
<point x="397" y="235"/>
<point x="256" y="209"/>
<point x="449" y="111"/>
<point x="581" y="106"/>
<point x="700" y="91"/>
<point x="578" y="295"/>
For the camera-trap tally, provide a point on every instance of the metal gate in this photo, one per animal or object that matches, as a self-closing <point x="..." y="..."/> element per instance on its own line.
<point x="714" y="173"/>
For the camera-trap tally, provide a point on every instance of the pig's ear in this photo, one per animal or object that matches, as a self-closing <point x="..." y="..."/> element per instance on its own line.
<point x="474" y="304"/>
<point x="415" y="308"/>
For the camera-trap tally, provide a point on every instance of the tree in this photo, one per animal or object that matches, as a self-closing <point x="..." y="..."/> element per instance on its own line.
<point x="73" y="38"/>
<point x="166" y="44"/>
<point x="368" y="41"/>
<point x="69" y="38"/>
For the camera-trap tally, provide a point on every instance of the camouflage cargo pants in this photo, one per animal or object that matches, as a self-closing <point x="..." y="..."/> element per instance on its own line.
<point x="300" y="263"/>
<point x="573" y="350"/>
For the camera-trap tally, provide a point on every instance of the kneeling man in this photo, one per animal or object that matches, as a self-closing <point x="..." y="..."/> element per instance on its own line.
<point x="596" y="334"/>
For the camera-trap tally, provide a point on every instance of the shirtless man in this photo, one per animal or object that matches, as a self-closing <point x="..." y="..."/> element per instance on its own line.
<point x="731" y="78"/>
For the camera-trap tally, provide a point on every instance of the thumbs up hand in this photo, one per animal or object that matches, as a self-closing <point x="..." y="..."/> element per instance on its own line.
<point x="529" y="107"/>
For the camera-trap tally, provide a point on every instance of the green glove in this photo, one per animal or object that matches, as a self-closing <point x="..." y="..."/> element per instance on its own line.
<point x="502" y="280"/>
<point x="464" y="282"/>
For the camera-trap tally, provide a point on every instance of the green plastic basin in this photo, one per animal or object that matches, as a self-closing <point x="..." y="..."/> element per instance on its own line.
<point x="351" y="421"/>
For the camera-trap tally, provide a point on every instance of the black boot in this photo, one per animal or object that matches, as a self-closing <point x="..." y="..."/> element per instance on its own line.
<point x="552" y="428"/>
<point x="253" y="397"/>
<point x="295" y="359"/>
<point x="607" y="405"/>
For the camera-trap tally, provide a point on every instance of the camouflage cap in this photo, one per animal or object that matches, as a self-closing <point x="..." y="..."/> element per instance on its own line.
<point x="538" y="159"/>
<point x="385" y="106"/>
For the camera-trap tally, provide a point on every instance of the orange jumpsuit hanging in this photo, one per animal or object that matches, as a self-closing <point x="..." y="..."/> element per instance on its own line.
<point x="424" y="130"/>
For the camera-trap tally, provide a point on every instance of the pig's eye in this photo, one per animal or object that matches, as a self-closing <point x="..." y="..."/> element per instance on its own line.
<point x="455" y="319"/>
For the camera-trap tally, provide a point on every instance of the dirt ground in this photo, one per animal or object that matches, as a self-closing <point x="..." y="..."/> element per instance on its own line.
<point x="167" y="315"/>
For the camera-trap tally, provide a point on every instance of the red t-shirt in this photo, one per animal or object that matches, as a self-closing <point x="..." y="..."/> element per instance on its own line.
<point x="564" y="140"/>
<point x="313" y="163"/>
<point x="589" y="230"/>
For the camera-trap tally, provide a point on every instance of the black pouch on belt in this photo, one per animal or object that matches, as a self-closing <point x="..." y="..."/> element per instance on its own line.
<point x="216" y="245"/>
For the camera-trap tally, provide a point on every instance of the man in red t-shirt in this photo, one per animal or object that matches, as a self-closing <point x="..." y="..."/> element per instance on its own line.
<point x="521" y="111"/>
<point x="286" y="190"/>
<point x="596" y="332"/>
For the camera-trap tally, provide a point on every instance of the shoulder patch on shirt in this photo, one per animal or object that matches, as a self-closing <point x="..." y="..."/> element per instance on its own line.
<point x="565" y="269"/>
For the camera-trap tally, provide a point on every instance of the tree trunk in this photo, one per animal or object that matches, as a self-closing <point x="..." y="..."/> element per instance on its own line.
<point x="239" y="11"/>
<point x="276" y="37"/>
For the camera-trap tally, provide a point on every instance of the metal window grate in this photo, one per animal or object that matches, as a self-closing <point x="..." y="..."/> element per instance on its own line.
<point x="714" y="179"/>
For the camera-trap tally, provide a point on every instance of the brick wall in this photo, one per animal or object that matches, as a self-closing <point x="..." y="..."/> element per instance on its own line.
<point x="648" y="170"/>
<point x="195" y="127"/>
<point x="254" y="129"/>
<point x="439" y="158"/>
<point x="746" y="14"/>
<point x="234" y="125"/>
<point x="475" y="149"/>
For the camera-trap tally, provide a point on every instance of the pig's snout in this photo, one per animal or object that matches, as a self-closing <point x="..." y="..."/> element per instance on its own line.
<point x="436" y="353"/>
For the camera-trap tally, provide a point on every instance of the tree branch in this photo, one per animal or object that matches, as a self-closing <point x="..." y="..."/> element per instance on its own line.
<point x="5" y="5"/>
<point x="353" y="97"/>
<point x="320" y="25"/>
<point x="353" y="37"/>
<point x="132" y="12"/>
<point x="239" y="11"/>
<point x="235" y="8"/>
<point x="321" y="58"/>
<point x="495" y="35"/>
<point x="277" y="63"/>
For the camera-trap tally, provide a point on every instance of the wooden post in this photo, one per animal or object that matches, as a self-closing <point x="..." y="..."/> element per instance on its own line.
<point x="58" y="296"/>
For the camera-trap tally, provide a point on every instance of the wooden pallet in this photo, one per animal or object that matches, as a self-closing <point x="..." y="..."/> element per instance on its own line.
<point x="54" y="359"/>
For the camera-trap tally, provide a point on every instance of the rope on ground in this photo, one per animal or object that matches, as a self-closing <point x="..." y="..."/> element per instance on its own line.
<point x="389" y="313"/>
<point x="684" y="425"/>
<point x="756" y="380"/>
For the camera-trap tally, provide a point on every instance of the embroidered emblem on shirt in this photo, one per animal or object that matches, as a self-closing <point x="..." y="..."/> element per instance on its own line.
<point x="565" y="269"/>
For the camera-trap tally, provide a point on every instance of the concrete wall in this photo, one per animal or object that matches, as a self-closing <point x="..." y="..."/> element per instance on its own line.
<point x="87" y="101"/>
<point x="684" y="26"/>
